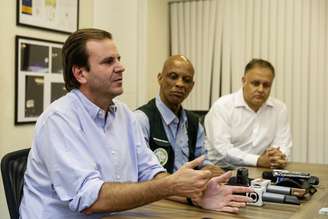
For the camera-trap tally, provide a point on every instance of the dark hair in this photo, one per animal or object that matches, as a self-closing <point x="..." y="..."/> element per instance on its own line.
<point x="259" y="63"/>
<point x="75" y="53"/>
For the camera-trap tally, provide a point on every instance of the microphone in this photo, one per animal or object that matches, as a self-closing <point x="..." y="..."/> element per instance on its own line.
<point x="295" y="180"/>
<point x="264" y="191"/>
<point x="279" y="198"/>
<point x="286" y="190"/>
<point x="278" y="189"/>
<point x="269" y="175"/>
<point x="277" y="176"/>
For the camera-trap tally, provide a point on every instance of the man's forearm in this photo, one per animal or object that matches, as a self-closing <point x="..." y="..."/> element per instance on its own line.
<point x="122" y="196"/>
<point x="185" y="182"/>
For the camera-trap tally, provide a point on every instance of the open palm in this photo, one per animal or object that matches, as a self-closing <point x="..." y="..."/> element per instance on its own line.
<point x="220" y="197"/>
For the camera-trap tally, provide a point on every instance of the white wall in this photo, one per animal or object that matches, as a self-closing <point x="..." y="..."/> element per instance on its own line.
<point x="125" y="20"/>
<point x="133" y="24"/>
<point x="158" y="42"/>
<point x="142" y="39"/>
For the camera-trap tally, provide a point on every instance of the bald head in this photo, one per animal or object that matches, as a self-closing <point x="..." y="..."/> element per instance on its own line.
<point x="175" y="60"/>
<point x="176" y="81"/>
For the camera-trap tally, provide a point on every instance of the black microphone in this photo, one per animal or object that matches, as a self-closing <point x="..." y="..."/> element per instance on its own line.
<point x="279" y="198"/>
<point x="269" y="175"/>
<point x="277" y="176"/>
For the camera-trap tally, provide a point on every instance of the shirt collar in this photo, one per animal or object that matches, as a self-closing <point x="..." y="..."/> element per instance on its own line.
<point x="240" y="101"/>
<point x="93" y="110"/>
<point x="167" y="114"/>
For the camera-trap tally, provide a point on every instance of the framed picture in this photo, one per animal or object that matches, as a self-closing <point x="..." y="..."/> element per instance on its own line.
<point x="55" y="15"/>
<point x="39" y="77"/>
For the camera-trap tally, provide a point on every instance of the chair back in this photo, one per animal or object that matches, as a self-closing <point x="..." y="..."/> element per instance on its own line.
<point x="201" y="115"/>
<point x="13" y="166"/>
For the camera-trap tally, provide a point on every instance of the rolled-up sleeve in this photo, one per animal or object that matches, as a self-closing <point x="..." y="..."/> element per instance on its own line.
<point x="74" y="175"/>
<point x="143" y="123"/>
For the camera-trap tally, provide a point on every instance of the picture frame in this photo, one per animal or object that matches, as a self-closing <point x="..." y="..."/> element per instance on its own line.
<point x="54" y="15"/>
<point x="39" y="77"/>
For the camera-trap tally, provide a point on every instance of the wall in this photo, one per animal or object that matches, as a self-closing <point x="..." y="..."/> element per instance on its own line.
<point x="142" y="40"/>
<point x="158" y="42"/>
<point x="129" y="35"/>
<point x="146" y="19"/>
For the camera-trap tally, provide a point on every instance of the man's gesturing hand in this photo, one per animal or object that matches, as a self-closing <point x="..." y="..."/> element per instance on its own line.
<point x="220" y="197"/>
<point x="188" y="182"/>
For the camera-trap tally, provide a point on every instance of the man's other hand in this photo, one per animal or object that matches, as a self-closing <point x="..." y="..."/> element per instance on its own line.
<point x="220" y="197"/>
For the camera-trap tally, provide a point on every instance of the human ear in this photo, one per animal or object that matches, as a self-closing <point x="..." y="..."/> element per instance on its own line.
<point x="243" y="80"/>
<point x="159" y="77"/>
<point x="192" y="85"/>
<point x="79" y="74"/>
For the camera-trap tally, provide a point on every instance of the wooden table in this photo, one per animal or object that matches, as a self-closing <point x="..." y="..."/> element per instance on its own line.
<point x="307" y="210"/>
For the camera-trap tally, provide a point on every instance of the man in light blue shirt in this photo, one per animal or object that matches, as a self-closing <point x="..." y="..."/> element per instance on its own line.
<point x="88" y="156"/>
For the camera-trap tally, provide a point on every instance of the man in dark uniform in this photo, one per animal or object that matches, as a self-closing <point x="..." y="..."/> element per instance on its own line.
<point x="173" y="133"/>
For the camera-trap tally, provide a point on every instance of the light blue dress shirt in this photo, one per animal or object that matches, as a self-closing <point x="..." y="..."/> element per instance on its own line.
<point x="76" y="149"/>
<point x="176" y="132"/>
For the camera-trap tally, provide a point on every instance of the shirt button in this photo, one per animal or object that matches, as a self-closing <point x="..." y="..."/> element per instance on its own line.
<point x="101" y="114"/>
